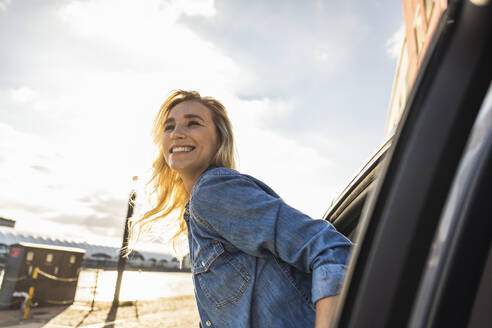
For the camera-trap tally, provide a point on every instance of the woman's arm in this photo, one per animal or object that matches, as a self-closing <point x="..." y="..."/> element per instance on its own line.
<point x="325" y="309"/>
<point x="260" y="224"/>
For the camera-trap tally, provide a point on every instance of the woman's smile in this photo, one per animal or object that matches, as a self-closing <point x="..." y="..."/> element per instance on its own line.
<point x="181" y="149"/>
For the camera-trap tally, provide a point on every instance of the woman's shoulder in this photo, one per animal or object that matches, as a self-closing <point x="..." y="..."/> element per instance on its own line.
<point x="225" y="182"/>
<point x="216" y="176"/>
<point x="219" y="171"/>
<point x="217" y="189"/>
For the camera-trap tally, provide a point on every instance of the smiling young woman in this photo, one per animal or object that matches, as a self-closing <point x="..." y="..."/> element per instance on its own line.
<point x="189" y="141"/>
<point x="166" y="183"/>
<point x="256" y="261"/>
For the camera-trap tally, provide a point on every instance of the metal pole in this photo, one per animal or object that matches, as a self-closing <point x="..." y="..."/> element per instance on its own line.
<point x="94" y="290"/>
<point x="121" y="259"/>
<point x="31" y="293"/>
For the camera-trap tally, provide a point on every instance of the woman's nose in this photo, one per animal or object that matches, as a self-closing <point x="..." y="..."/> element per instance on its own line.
<point x="178" y="132"/>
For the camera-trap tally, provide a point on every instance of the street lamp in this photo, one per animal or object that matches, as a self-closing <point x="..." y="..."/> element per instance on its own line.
<point x="122" y="259"/>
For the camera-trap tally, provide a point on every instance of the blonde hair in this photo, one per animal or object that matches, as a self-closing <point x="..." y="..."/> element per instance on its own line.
<point x="166" y="184"/>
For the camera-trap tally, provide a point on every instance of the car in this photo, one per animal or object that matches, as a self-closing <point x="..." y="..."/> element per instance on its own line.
<point x="420" y="211"/>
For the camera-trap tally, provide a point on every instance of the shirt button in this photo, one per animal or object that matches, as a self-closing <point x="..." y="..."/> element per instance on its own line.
<point x="203" y="264"/>
<point x="208" y="323"/>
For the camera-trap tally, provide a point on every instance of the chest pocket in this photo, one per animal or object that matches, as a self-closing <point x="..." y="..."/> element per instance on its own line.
<point x="219" y="275"/>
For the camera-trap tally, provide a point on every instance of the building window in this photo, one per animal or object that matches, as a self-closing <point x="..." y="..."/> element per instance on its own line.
<point x="72" y="259"/>
<point x="429" y="5"/>
<point x="404" y="69"/>
<point x="49" y="258"/>
<point x="418" y="31"/>
<point x="29" y="256"/>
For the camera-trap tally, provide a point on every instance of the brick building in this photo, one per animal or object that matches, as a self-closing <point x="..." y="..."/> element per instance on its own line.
<point x="420" y="18"/>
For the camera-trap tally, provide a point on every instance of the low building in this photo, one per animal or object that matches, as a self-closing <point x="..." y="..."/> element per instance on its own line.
<point x="4" y="222"/>
<point x="96" y="256"/>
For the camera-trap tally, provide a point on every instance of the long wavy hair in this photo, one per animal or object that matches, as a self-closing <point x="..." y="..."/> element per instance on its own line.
<point x="165" y="184"/>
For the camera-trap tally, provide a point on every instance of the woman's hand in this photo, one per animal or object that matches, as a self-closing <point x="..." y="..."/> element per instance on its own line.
<point x="325" y="309"/>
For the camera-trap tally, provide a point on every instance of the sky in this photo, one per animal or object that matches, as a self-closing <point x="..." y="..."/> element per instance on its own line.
<point x="307" y="85"/>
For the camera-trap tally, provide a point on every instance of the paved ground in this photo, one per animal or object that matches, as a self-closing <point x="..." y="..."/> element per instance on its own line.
<point x="171" y="312"/>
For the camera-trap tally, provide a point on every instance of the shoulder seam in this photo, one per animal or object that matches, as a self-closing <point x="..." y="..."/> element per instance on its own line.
<point x="216" y="172"/>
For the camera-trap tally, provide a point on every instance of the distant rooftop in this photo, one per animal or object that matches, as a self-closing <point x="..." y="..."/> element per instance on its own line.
<point x="9" y="236"/>
<point x="7" y="222"/>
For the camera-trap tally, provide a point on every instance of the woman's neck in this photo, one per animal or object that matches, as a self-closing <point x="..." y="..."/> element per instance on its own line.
<point x="189" y="179"/>
<point x="188" y="184"/>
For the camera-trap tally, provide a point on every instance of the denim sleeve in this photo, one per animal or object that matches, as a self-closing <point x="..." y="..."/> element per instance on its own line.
<point x="238" y="210"/>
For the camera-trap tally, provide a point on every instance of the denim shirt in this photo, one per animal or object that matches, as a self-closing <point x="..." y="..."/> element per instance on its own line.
<point x="256" y="261"/>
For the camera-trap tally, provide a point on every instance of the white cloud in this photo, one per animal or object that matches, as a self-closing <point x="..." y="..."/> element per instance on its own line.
<point x="23" y="95"/>
<point x="395" y="42"/>
<point x="4" y="5"/>
<point x="322" y="54"/>
<point x="42" y="182"/>
<point x="150" y="46"/>
<point x="196" y="7"/>
<point x="331" y="57"/>
<point x="106" y="115"/>
<point x="254" y="113"/>
<point x="147" y="30"/>
<point x="100" y="72"/>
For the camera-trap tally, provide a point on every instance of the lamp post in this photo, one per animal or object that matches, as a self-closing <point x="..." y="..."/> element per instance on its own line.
<point x="122" y="259"/>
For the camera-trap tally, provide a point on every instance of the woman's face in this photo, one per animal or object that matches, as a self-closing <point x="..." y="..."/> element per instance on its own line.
<point x="190" y="139"/>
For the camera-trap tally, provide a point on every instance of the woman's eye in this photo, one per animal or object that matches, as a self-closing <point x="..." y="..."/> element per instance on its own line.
<point x="191" y="123"/>
<point x="168" y="127"/>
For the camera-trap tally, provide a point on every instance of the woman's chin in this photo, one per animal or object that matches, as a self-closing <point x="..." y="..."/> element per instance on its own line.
<point x="181" y="168"/>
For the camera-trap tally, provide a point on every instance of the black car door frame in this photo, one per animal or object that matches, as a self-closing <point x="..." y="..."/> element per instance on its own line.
<point x="400" y="218"/>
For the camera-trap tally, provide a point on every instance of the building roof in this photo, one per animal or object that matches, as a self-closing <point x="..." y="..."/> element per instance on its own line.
<point x="9" y="236"/>
<point x="53" y="247"/>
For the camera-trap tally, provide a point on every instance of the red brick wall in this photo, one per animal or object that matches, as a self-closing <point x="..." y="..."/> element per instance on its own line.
<point x="428" y="28"/>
